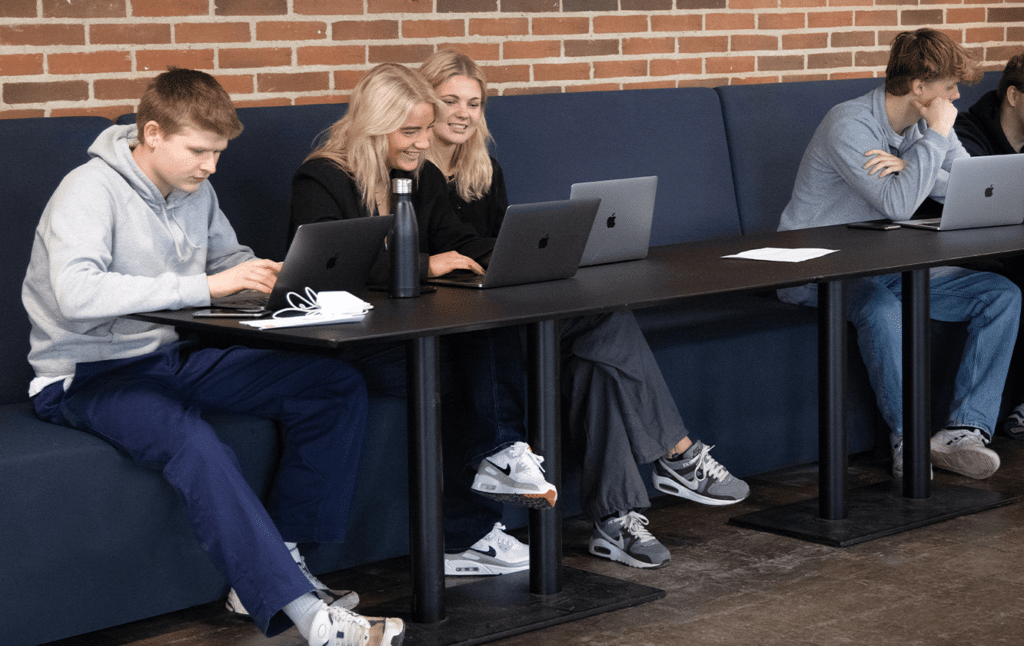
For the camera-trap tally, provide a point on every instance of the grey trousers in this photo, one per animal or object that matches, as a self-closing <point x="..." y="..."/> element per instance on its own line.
<point x="620" y="411"/>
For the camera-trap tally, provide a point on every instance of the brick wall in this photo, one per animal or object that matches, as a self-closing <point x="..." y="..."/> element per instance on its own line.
<point x="62" y="57"/>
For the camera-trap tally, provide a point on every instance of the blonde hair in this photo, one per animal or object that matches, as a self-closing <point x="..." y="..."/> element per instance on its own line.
<point x="380" y="104"/>
<point x="471" y="163"/>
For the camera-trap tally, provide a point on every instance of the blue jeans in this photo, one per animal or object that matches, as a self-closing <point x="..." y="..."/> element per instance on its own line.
<point x="150" y="408"/>
<point x="989" y="303"/>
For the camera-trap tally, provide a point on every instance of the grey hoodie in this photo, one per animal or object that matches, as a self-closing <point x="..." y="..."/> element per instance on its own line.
<point x="109" y="244"/>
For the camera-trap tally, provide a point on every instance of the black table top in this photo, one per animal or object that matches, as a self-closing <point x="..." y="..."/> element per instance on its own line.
<point x="670" y="274"/>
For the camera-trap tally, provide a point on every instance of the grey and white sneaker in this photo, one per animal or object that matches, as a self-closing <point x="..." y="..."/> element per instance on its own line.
<point x="514" y="475"/>
<point x="625" y="539"/>
<point x="496" y="553"/>
<point x="697" y="476"/>
<point x="346" y="599"/>
<point x="897" y="458"/>
<point x="962" y="450"/>
<point x="1014" y="424"/>
<point x="334" y="626"/>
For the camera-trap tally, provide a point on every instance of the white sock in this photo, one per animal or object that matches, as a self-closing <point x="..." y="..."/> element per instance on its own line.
<point x="302" y="611"/>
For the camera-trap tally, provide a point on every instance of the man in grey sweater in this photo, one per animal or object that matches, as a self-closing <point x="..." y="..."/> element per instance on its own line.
<point x="878" y="157"/>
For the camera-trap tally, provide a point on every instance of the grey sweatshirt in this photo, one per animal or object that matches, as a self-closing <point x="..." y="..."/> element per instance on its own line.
<point x="109" y="244"/>
<point x="832" y="186"/>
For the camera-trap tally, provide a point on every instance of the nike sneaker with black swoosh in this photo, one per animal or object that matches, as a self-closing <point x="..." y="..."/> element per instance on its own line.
<point x="697" y="476"/>
<point x="496" y="553"/>
<point x="625" y="539"/>
<point x="334" y="626"/>
<point x="514" y="475"/>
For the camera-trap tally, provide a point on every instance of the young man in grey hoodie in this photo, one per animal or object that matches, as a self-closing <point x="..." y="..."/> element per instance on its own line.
<point x="878" y="157"/>
<point x="138" y="228"/>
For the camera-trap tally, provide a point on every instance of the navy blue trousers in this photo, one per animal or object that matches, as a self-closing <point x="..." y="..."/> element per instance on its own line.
<point x="150" y="408"/>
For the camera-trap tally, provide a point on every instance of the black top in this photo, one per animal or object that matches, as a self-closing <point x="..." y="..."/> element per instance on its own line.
<point x="322" y="191"/>
<point x="487" y="213"/>
<point x="979" y="129"/>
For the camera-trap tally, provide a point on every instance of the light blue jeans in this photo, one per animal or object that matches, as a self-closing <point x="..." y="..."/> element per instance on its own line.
<point x="989" y="303"/>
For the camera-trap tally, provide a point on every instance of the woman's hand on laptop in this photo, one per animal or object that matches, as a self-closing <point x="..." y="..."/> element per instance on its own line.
<point x="449" y="261"/>
<point x="259" y="274"/>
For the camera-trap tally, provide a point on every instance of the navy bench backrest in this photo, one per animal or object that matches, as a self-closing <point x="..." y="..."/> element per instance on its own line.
<point x="769" y="127"/>
<point x="547" y="142"/>
<point x="37" y="154"/>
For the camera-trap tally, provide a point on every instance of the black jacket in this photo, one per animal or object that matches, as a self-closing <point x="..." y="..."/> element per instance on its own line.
<point x="979" y="129"/>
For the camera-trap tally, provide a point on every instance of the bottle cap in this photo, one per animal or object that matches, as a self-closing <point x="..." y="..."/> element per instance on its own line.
<point x="401" y="185"/>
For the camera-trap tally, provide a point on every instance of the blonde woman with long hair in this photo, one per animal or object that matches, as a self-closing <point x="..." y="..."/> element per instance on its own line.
<point x="386" y="134"/>
<point x="621" y="411"/>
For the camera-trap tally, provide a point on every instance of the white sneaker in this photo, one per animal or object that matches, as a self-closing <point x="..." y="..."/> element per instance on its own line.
<point x="897" y="459"/>
<point x="334" y="626"/>
<point x="514" y="475"/>
<point x="346" y="599"/>
<point x="496" y="553"/>
<point x="962" y="450"/>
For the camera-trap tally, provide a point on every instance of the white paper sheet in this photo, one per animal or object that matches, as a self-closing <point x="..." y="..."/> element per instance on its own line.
<point x="780" y="254"/>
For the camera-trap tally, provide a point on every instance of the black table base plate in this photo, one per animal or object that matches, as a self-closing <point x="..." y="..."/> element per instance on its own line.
<point x="497" y="607"/>
<point x="873" y="511"/>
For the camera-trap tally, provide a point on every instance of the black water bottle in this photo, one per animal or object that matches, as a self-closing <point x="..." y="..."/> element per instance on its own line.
<point x="404" y="244"/>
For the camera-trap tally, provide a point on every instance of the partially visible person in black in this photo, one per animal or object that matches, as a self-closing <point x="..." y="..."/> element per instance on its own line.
<point x="384" y="135"/>
<point x="994" y="125"/>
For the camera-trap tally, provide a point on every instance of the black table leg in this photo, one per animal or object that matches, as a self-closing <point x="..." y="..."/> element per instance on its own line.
<point x="543" y="352"/>
<point x="832" y="449"/>
<point x="916" y="385"/>
<point x="426" y="530"/>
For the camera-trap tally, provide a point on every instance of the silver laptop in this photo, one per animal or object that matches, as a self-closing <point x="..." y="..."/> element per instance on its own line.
<point x="324" y="256"/>
<point x="622" y="228"/>
<point x="537" y="242"/>
<point x="982" y="192"/>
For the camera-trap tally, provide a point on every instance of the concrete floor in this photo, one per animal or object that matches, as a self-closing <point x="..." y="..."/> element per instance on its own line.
<point x="954" y="583"/>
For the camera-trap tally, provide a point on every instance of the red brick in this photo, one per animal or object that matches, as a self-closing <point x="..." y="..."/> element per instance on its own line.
<point x="646" y="46"/>
<point x="507" y="73"/>
<point x="851" y="3"/>
<point x="984" y="34"/>
<point x="399" y="6"/>
<point x="345" y="80"/>
<point x="14" y="93"/>
<point x="255" y="57"/>
<point x="134" y="34"/>
<point x="619" y="24"/>
<point x="651" y="85"/>
<point x="797" y="4"/>
<point x="513" y="49"/>
<point x="781" y="21"/>
<point x="111" y="112"/>
<point x="294" y="82"/>
<point x="701" y="44"/>
<point x="675" y="67"/>
<point x="433" y="28"/>
<point x="875" y="18"/>
<point x="327" y="7"/>
<point x="851" y="75"/>
<point x="970" y="14"/>
<point x="1006" y="14"/>
<point x="532" y="89"/>
<point x="159" y="60"/>
<point x="251" y="7"/>
<point x="21" y="64"/>
<point x="1015" y="34"/>
<point x="617" y="69"/>
<point x="830" y="59"/>
<point x="592" y="48"/>
<point x="18" y="9"/>
<point x="534" y="6"/>
<point x="730" y="64"/>
<point x="544" y="26"/>
<point x="600" y="87"/>
<point x="332" y="55"/>
<point x="364" y="30"/>
<point x="89" y="63"/>
<point x="477" y="51"/>
<point x="22" y="114"/>
<point x="804" y="41"/>
<point x="42" y="35"/>
<point x="853" y="39"/>
<point x="688" y="22"/>
<point x="871" y="59"/>
<point x="323" y="99"/>
<point x="263" y="103"/>
<point x="753" y="4"/>
<point x="779" y="63"/>
<point x="797" y="78"/>
<point x="916" y="17"/>
<point x="882" y="3"/>
<point x="753" y="80"/>
<point x="291" y="30"/>
<point x="237" y="83"/>
<point x="84" y="9"/>
<point x="119" y="89"/>
<point x="499" y="26"/>
<point x="407" y="54"/>
<point x="729" y="21"/>
<point x="1001" y="54"/>
<point x="748" y="42"/>
<point x="829" y="19"/>
<point x="466" y="6"/>
<point x="158" y="8"/>
<point x="219" y="32"/>
<point x="561" y="71"/>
